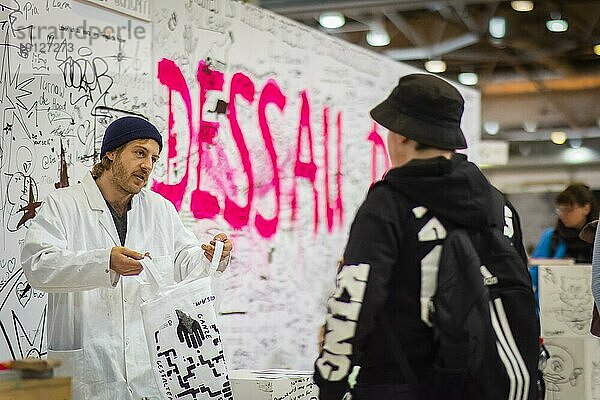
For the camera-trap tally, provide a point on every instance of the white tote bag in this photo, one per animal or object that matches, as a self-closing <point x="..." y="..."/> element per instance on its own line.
<point x="183" y="338"/>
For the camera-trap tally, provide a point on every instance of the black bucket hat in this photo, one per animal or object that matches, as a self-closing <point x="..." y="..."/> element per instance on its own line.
<point x="426" y="109"/>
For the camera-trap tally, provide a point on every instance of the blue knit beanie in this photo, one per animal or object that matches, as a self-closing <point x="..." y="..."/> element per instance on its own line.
<point x="126" y="129"/>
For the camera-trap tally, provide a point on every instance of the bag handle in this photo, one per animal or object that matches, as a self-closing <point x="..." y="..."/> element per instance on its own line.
<point x="212" y="268"/>
<point x="152" y="274"/>
<point x="216" y="259"/>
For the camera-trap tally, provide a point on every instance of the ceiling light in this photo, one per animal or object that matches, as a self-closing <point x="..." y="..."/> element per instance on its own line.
<point x="497" y="27"/>
<point x="580" y="155"/>
<point x="597" y="49"/>
<point x="522" y="6"/>
<point x="332" y="20"/>
<point x="378" y="37"/>
<point x="558" y="137"/>
<point x="435" y="66"/>
<point x="575" y="143"/>
<point x="468" y="78"/>
<point x="491" y="127"/>
<point x="556" y="23"/>
<point x="530" y="126"/>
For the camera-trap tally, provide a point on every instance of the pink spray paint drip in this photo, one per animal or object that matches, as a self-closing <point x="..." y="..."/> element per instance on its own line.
<point x="203" y="204"/>
<point x="337" y="209"/>
<point x="304" y="169"/>
<point x="339" y="202"/>
<point x="271" y="94"/>
<point x="238" y="216"/>
<point x="170" y="75"/>
<point x="378" y="147"/>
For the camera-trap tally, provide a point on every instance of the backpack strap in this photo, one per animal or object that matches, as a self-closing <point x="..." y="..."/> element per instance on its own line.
<point x="397" y="352"/>
<point x="498" y="202"/>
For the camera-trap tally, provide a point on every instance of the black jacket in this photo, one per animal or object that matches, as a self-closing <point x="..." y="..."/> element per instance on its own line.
<point x="394" y="237"/>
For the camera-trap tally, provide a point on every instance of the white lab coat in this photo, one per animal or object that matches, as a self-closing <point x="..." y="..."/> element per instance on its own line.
<point x="94" y="318"/>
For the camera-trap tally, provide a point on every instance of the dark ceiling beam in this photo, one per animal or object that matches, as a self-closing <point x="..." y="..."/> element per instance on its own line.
<point x="347" y="28"/>
<point x="434" y="50"/>
<point x="525" y="50"/>
<point x="541" y="86"/>
<point x="512" y="56"/>
<point x="460" y="13"/>
<point x="407" y="30"/>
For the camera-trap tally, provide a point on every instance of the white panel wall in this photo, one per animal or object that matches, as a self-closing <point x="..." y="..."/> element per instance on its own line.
<point x="271" y="142"/>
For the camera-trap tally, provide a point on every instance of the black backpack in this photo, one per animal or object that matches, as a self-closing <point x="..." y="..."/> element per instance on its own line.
<point x="484" y="320"/>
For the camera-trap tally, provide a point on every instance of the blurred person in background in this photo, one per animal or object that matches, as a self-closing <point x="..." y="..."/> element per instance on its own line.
<point x="575" y="207"/>
<point x="572" y="237"/>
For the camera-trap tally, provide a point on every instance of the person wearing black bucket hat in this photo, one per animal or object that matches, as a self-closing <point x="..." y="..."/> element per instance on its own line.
<point x="390" y="261"/>
<point x="84" y="248"/>
<point x="426" y="109"/>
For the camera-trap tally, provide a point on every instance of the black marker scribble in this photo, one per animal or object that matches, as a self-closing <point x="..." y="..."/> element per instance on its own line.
<point x="29" y="210"/>
<point x="63" y="176"/>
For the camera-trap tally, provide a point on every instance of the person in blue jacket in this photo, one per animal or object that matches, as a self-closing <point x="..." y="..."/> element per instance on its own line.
<point x="575" y="206"/>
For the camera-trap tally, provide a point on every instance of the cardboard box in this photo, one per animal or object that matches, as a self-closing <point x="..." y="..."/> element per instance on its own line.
<point x="272" y="384"/>
<point x="36" y="389"/>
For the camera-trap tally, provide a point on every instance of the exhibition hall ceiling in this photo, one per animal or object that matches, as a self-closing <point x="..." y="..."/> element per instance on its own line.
<point x="534" y="62"/>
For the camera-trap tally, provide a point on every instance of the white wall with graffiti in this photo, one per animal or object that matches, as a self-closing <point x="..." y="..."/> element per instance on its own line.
<point x="267" y="135"/>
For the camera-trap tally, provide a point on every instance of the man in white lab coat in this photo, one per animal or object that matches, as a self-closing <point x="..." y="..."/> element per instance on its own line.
<point x="84" y="247"/>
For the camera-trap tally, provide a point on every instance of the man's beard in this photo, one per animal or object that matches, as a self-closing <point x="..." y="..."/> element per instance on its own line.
<point x="121" y="178"/>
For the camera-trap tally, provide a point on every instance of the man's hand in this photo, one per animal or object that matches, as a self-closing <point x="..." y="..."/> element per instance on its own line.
<point x="124" y="261"/>
<point x="209" y="249"/>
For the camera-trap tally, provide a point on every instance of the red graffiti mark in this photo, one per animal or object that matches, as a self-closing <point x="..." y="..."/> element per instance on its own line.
<point x="303" y="169"/>
<point x="203" y="204"/>
<point x="170" y="75"/>
<point x="338" y="174"/>
<point x="270" y="94"/>
<point x="378" y="147"/>
<point x="238" y="216"/>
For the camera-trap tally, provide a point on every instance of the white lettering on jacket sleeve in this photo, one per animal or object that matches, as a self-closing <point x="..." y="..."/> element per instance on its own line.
<point x="432" y="230"/>
<point x="343" y="308"/>
<point x="509" y="229"/>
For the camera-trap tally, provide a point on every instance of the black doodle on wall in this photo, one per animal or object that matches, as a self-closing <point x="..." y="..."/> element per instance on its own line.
<point x="87" y="74"/>
<point x="63" y="176"/>
<point x="52" y="82"/>
<point x="13" y="29"/>
<point x="29" y="210"/>
<point x="21" y="201"/>
<point x="19" y="342"/>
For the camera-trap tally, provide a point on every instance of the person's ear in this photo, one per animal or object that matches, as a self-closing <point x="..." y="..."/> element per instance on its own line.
<point x="587" y="207"/>
<point x="403" y="139"/>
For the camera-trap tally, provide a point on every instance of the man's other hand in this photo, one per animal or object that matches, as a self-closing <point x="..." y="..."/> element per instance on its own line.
<point x="209" y="249"/>
<point x="125" y="262"/>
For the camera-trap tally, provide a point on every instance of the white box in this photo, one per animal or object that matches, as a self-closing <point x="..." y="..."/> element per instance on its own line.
<point x="272" y="384"/>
